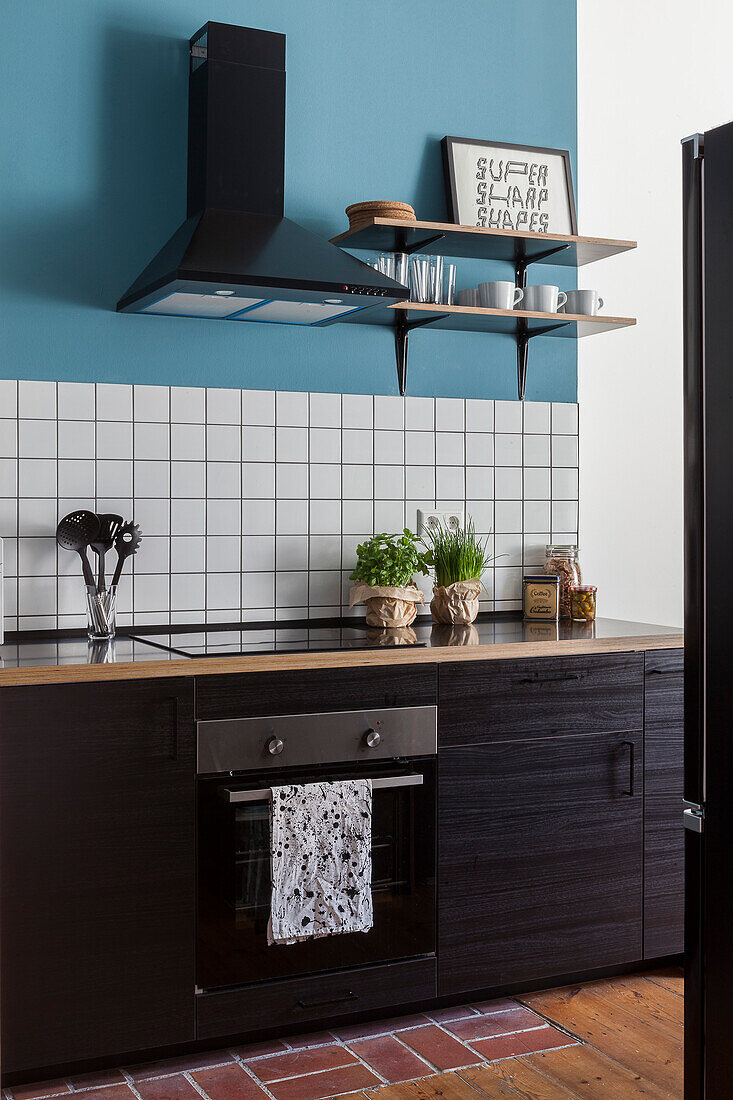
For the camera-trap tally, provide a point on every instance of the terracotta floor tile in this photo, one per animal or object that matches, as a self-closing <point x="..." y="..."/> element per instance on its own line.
<point x="523" y="1042"/>
<point x="228" y="1083"/>
<point x="499" y="1005"/>
<point x="437" y="1047"/>
<point x="379" y="1027"/>
<point x="296" y="1062"/>
<point x="318" y="1085"/>
<point x="256" y="1050"/>
<point x="42" y="1088"/>
<point x="167" y="1088"/>
<point x="179" y="1065"/>
<point x="315" y="1039"/>
<point x="498" y="1023"/>
<point x="97" y="1080"/>
<point x="114" y="1092"/>
<point x="390" y="1059"/>
<point x="445" y="1015"/>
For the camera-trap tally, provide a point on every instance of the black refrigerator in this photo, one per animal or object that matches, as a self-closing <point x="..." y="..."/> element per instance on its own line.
<point x="707" y="167"/>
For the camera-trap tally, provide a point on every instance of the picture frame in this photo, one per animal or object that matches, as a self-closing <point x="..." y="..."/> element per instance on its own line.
<point x="517" y="188"/>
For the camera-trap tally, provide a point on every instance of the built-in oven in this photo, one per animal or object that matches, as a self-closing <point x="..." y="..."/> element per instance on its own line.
<point x="239" y="761"/>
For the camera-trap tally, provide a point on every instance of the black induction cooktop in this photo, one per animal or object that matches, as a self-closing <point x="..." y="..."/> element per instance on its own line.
<point x="279" y="639"/>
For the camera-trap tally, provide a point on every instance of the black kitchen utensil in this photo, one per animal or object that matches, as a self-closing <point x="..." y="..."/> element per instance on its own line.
<point x="75" y="532"/>
<point x="109" y="525"/>
<point x="126" y="542"/>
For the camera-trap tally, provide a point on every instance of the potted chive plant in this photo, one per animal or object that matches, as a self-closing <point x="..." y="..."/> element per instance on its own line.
<point x="384" y="578"/>
<point x="458" y="559"/>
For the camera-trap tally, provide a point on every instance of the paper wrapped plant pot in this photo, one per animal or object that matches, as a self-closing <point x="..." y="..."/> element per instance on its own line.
<point x="387" y="607"/>
<point x="457" y="603"/>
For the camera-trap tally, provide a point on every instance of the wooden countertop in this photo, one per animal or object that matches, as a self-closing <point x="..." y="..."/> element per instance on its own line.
<point x="75" y="661"/>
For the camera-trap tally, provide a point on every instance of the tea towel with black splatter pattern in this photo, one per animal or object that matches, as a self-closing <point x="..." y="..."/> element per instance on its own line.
<point x="321" y="839"/>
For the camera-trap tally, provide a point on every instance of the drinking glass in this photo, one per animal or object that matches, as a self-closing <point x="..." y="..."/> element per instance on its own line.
<point x="419" y="275"/>
<point x="401" y="267"/>
<point x="435" y="279"/>
<point x="449" y="285"/>
<point x="386" y="262"/>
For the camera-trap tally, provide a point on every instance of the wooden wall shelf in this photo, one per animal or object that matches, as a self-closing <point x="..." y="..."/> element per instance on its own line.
<point x="472" y="242"/>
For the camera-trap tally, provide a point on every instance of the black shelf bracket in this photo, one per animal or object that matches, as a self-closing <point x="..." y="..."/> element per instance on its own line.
<point x="402" y="330"/>
<point x="408" y="249"/>
<point x="523" y="338"/>
<point x="521" y="263"/>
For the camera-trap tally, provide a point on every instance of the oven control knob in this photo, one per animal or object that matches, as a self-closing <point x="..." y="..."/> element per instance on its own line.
<point x="275" y="746"/>
<point x="372" y="738"/>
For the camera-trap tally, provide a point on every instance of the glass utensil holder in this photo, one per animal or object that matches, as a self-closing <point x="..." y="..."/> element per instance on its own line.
<point x="101" y="613"/>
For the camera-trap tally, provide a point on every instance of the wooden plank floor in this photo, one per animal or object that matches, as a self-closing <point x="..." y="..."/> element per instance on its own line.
<point x="630" y="1031"/>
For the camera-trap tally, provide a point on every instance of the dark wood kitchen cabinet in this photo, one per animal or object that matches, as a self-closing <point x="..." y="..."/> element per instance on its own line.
<point x="664" y="834"/>
<point x="540" y="819"/>
<point x="97" y="864"/>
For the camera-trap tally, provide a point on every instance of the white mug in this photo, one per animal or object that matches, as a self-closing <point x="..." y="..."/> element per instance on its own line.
<point x="499" y="295"/>
<point x="544" y="299"/>
<point x="468" y="297"/>
<point x="585" y="302"/>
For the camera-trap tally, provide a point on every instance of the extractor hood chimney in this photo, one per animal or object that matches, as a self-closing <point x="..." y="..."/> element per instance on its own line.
<point x="236" y="257"/>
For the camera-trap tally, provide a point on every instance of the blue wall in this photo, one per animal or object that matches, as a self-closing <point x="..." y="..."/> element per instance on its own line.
<point x="93" y="115"/>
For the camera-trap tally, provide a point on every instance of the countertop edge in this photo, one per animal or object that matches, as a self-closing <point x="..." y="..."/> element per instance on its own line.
<point x="289" y="662"/>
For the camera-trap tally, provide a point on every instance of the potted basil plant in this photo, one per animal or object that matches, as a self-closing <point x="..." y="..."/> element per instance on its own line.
<point x="458" y="559"/>
<point x="384" y="578"/>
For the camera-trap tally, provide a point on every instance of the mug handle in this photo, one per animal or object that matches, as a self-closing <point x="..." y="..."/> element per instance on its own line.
<point x="561" y="295"/>
<point x="600" y="302"/>
<point x="518" y="295"/>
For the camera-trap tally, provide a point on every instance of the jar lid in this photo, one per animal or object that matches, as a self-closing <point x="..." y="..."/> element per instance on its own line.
<point x="582" y="588"/>
<point x="554" y="550"/>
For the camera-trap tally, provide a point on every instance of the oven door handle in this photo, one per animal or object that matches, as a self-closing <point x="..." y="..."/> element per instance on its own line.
<point x="265" y="793"/>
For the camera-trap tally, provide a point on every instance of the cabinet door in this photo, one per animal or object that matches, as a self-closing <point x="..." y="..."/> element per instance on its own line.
<point x="97" y="795"/>
<point x="540" y="859"/>
<point x="664" y="834"/>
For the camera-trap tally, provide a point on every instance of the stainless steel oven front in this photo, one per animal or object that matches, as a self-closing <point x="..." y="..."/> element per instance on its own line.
<point x="239" y="760"/>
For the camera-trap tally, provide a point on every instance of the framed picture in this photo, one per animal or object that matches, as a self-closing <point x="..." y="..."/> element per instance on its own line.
<point x="520" y="188"/>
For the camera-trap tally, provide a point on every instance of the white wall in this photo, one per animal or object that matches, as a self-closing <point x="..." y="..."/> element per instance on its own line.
<point x="648" y="75"/>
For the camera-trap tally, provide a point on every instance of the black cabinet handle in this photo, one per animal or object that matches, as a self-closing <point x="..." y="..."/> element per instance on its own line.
<point x="550" y="679"/>
<point x="631" y="747"/>
<point x="311" y="1002"/>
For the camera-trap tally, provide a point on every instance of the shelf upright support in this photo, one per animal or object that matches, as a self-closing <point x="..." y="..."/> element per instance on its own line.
<point x="402" y="330"/>
<point x="522" y="357"/>
<point x="521" y="263"/>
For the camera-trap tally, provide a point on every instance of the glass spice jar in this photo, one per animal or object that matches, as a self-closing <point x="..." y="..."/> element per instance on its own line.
<point x="583" y="602"/>
<point x="563" y="562"/>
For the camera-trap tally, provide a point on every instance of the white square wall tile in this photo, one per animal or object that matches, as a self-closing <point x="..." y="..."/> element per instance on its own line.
<point x="258" y="444"/>
<point x="291" y="588"/>
<point x="188" y="405"/>
<point x="37" y="595"/>
<point x="479" y="415"/>
<point x="8" y="397"/>
<point x="258" y="407"/>
<point x="188" y="517"/>
<point x="389" y="515"/>
<point x="479" y="449"/>
<point x="224" y="406"/>
<point x="224" y="516"/>
<point x="536" y="516"/>
<point x="449" y="448"/>
<point x="507" y="416"/>
<point x="324" y="586"/>
<point x="188" y="442"/>
<point x="508" y="550"/>
<point x="508" y="482"/>
<point x="223" y="591"/>
<point x="536" y="483"/>
<point x="564" y="515"/>
<point x="114" y="440"/>
<point x="564" y="418"/>
<point x="188" y="479"/>
<point x="258" y="594"/>
<point x="325" y="480"/>
<point x="9" y="478"/>
<point x="114" y="401"/>
<point x="37" y="557"/>
<point x="188" y="592"/>
<point x="536" y="450"/>
<point x="480" y="482"/>
<point x="537" y="417"/>
<point x="324" y="410"/>
<point x="564" y="450"/>
<point x="325" y="552"/>
<point x="37" y="400"/>
<point x="449" y="414"/>
<point x="76" y="439"/>
<point x="565" y="483"/>
<point x="508" y="516"/>
<point x="188" y="554"/>
<point x="389" y="447"/>
<point x="36" y="516"/>
<point x="357" y="445"/>
<point x="223" y="443"/>
<point x="325" y="444"/>
<point x="151" y="479"/>
<point x="258" y="553"/>
<point x="291" y="517"/>
<point x="153" y="555"/>
<point x="37" y="438"/>
<point x="224" y="479"/>
<point x="420" y="448"/>
<point x="153" y="515"/>
<point x="114" y="478"/>
<point x="151" y="441"/>
<point x="291" y="552"/>
<point x="389" y="482"/>
<point x="325" y="517"/>
<point x="258" y="480"/>
<point x="450" y="482"/>
<point x="508" y="449"/>
<point x="9" y="438"/>
<point x="357" y="482"/>
<point x="419" y="414"/>
<point x="291" y="444"/>
<point x="291" y="480"/>
<point x="357" y="410"/>
<point x="258" y="517"/>
<point x="76" y="401"/>
<point x="36" y="478"/>
<point x="389" y="412"/>
<point x="223" y="554"/>
<point x="507" y="583"/>
<point x="291" y="409"/>
<point x="420" y="483"/>
<point x="482" y="514"/>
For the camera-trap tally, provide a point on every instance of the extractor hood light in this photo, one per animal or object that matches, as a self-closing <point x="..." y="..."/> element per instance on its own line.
<point x="223" y="293"/>
<point x="332" y="301"/>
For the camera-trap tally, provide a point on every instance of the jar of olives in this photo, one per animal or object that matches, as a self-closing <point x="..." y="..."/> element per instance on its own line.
<point x="563" y="562"/>
<point x="583" y="602"/>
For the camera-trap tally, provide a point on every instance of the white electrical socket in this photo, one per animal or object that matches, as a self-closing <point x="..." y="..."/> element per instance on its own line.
<point x="430" y="520"/>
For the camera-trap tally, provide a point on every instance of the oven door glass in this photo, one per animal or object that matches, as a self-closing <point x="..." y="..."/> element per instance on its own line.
<point x="235" y="885"/>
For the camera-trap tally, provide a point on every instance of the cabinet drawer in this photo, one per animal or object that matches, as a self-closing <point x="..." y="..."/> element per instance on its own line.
<point x="320" y="689"/>
<point x="320" y="997"/>
<point x="487" y="701"/>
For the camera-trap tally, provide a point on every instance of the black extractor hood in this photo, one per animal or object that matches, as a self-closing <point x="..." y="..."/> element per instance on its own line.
<point x="236" y="257"/>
